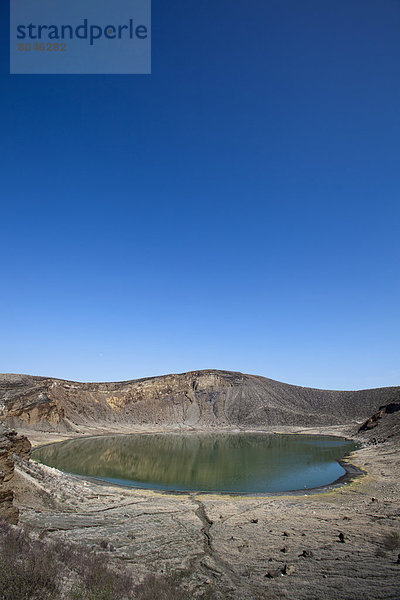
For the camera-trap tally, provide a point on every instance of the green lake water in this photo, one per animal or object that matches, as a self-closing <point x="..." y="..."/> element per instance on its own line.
<point x="221" y="462"/>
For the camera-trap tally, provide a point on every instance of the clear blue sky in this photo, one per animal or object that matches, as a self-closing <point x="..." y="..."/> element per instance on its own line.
<point x="237" y="209"/>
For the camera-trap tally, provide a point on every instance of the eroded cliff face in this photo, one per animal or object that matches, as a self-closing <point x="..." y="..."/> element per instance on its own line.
<point x="198" y="398"/>
<point x="11" y="445"/>
<point x="51" y="404"/>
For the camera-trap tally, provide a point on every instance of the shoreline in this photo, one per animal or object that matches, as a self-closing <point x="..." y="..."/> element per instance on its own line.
<point x="44" y="438"/>
<point x="351" y="470"/>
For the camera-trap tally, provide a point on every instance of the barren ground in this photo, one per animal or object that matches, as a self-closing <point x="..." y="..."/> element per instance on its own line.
<point x="232" y="542"/>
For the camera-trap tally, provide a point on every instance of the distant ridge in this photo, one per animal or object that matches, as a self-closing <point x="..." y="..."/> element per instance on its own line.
<point x="197" y="398"/>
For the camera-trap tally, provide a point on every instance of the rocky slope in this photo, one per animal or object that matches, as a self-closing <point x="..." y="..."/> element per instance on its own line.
<point x="384" y="424"/>
<point x="199" y="398"/>
<point x="11" y="445"/>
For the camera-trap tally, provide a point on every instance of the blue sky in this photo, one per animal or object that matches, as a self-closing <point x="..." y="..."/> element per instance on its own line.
<point x="237" y="209"/>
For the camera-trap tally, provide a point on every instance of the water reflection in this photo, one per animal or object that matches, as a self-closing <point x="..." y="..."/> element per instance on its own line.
<point x="250" y="462"/>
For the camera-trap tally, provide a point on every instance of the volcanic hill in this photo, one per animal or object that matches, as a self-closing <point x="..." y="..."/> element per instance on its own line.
<point x="198" y="398"/>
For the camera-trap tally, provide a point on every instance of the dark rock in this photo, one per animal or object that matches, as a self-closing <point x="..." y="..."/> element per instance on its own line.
<point x="254" y="521"/>
<point x="274" y="573"/>
<point x="341" y="538"/>
<point x="307" y="554"/>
